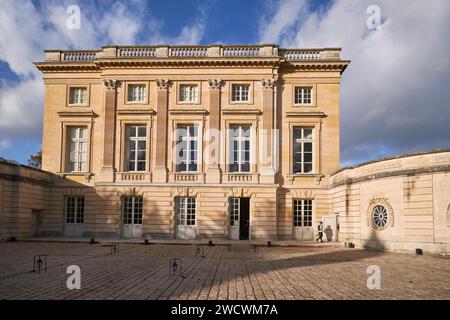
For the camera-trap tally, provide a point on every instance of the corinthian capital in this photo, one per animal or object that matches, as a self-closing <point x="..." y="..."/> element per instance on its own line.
<point x="268" y="83"/>
<point x="111" y="84"/>
<point x="214" y="84"/>
<point x="162" y="84"/>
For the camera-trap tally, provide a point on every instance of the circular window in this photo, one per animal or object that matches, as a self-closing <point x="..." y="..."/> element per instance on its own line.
<point x="379" y="217"/>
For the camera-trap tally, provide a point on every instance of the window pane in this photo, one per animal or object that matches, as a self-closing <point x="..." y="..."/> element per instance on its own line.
<point x="142" y="131"/>
<point x="307" y="167"/>
<point x="307" y="133"/>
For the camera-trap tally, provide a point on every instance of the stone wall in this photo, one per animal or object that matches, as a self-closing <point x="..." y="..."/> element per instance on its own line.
<point x="414" y="189"/>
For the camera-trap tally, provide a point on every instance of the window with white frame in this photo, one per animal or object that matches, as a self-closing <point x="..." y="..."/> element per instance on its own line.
<point x="132" y="210"/>
<point x="240" y="92"/>
<point x="303" y="95"/>
<point x="74" y="209"/>
<point x="136" y="92"/>
<point x="303" y="150"/>
<point x="136" y="141"/>
<point x="239" y="148"/>
<point x="185" y="211"/>
<point x="78" y="95"/>
<point x="302" y="213"/>
<point x="187" y="148"/>
<point x="77" y="149"/>
<point x="188" y="93"/>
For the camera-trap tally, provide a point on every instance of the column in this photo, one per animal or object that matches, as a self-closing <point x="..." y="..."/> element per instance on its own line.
<point x="109" y="130"/>
<point x="213" y="161"/>
<point x="266" y="154"/>
<point x="160" y="166"/>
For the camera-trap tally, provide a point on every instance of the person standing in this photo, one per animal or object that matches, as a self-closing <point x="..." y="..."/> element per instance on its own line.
<point x="320" y="230"/>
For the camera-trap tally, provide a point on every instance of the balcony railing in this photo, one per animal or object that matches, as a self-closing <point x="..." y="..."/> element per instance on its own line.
<point x="133" y="176"/>
<point x="240" y="178"/>
<point x="212" y="51"/>
<point x="78" y="55"/>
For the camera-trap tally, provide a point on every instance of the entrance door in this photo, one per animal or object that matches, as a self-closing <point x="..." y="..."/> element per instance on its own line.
<point x="185" y="218"/>
<point x="36" y="222"/>
<point x="302" y="220"/>
<point x="330" y="228"/>
<point x="74" y="217"/>
<point x="239" y="218"/>
<point x="132" y="217"/>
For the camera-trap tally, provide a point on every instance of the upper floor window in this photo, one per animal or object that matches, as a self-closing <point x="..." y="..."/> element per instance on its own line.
<point x="78" y="95"/>
<point x="188" y="93"/>
<point x="78" y="141"/>
<point x="240" y="92"/>
<point x="187" y="148"/>
<point x="303" y="95"/>
<point x="239" y="149"/>
<point x="303" y="150"/>
<point x="136" y="138"/>
<point x="136" y="92"/>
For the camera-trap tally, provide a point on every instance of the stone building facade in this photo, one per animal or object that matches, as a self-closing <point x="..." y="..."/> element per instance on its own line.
<point x="191" y="142"/>
<point x="217" y="142"/>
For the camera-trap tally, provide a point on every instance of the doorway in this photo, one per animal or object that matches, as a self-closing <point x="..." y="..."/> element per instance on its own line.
<point x="239" y="212"/>
<point x="74" y="216"/>
<point x="132" y="217"/>
<point x="302" y="220"/>
<point x="36" y="222"/>
<point x="185" y="218"/>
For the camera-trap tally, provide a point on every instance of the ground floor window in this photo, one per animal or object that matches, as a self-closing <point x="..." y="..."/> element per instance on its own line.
<point x="185" y="211"/>
<point x="74" y="208"/>
<point x="132" y="210"/>
<point x="302" y="213"/>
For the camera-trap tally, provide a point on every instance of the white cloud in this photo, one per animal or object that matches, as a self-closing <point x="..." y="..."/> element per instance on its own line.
<point x="395" y="95"/>
<point x="26" y="31"/>
<point x="4" y="143"/>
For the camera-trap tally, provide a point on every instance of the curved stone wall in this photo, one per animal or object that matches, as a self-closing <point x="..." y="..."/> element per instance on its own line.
<point x="399" y="203"/>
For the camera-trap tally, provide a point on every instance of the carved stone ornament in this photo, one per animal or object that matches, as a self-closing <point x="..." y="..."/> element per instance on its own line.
<point x="111" y="84"/>
<point x="214" y="84"/>
<point x="268" y="83"/>
<point x="162" y="84"/>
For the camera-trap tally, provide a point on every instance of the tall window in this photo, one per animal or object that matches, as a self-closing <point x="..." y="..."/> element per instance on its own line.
<point x="132" y="210"/>
<point x="187" y="148"/>
<point x="188" y="93"/>
<point x="302" y="213"/>
<point x="136" y="92"/>
<point x="303" y="150"/>
<point x="185" y="211"/>
<point x="136" y="137"/>
<point x="74" y="209"/>
<point x="239" y="149"/>
<point x="303" y="95"/>
<point x="78" y="95"/>
<point x="77" y="149"/>
<point x="240" y="92"/>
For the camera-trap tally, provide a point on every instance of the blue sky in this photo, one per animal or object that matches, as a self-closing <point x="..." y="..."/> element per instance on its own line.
<point x="394" y="97"/>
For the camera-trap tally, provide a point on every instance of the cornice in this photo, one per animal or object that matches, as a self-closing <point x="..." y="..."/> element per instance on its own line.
<point x="314" y="114"/>
<point x="136" y="112"/>
<point x="77" y="113"/>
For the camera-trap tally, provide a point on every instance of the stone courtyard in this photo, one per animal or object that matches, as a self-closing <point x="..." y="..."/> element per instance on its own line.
<point x="235" y="271"/>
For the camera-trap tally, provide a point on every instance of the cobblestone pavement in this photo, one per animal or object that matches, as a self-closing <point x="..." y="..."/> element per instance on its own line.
<point x="239" y="271"/>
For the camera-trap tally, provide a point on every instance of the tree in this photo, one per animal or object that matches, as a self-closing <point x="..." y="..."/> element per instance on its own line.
<point x="35" y="160"/>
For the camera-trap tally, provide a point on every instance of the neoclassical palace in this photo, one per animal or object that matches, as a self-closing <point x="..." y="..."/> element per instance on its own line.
<point x="213" y="142"/>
